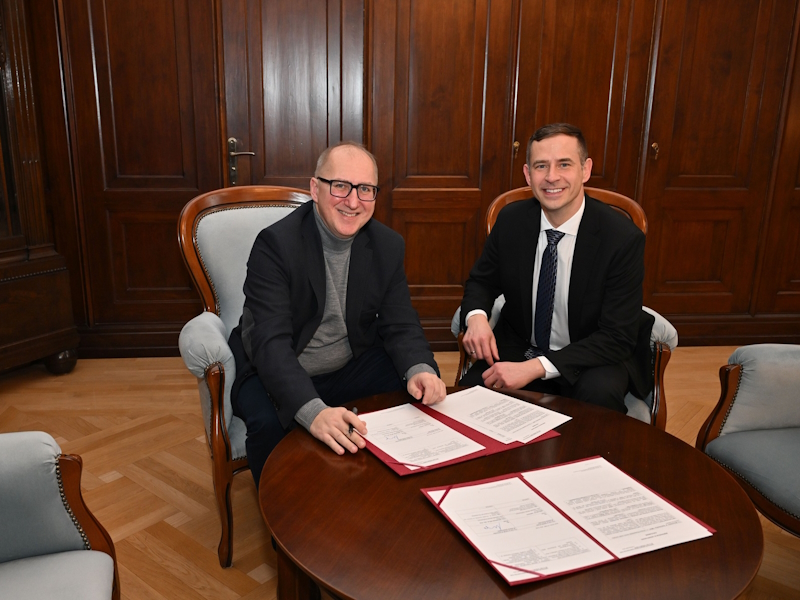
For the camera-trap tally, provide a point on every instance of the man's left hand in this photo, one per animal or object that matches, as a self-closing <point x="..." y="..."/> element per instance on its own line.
<point x="513" y="375"/>
<point x="427" y="387"/>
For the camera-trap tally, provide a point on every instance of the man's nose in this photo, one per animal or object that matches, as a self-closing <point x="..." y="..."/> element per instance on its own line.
<point x="352" y="198"/>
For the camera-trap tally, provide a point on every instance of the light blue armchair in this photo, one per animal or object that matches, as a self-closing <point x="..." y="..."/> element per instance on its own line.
<point x="754" y="430"/>
<point x="216" y="232"/>
<point x="51" y="546"/>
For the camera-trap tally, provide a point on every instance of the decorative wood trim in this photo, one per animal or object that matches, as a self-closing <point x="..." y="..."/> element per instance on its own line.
<point x="729" y="383"/>
<point x="98" y="538"/>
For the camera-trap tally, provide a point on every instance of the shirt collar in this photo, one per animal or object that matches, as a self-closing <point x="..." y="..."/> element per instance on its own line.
<point x="570" y="227"/>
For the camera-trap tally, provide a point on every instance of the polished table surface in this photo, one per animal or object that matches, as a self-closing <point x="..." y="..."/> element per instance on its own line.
<point x="361" y="531"/>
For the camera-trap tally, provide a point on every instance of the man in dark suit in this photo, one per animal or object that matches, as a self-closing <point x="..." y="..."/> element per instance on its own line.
<point x="571" y="270"/>
<point x="327" y="316"/>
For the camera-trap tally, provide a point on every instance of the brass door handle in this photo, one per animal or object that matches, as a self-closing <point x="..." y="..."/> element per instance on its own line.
<point x="233" y="154"/>
<point x="655" y="148"/>
<point x="516" y="149"/>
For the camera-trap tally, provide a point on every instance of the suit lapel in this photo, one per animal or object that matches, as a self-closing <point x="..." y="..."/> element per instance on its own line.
<point x="586" y="246"/>
<point x="312" y="243"/>
<point x="530" y="240"/>
<point x="358" y="279"/>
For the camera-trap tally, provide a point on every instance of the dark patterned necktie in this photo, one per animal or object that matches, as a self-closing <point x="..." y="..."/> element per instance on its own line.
<point x="545" y="295"/>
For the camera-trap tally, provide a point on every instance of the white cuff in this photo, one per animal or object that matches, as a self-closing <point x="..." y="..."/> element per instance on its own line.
<point x="550" y="371"/>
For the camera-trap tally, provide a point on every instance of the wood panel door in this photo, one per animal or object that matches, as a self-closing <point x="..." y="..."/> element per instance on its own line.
<point x="584" y="62"/>
<point x="146" y="139"/>
<point x="293" y="74"/>
<point x="437" y="97"/>
<point x="713" y="124"/>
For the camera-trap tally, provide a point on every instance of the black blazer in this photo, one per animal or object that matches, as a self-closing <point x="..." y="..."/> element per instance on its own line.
<point x="285" y="299"/>
<point x="605" y="291"/>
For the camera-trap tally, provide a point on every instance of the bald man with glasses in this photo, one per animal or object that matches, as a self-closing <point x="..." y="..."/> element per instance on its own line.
<point x="327" y="316"/>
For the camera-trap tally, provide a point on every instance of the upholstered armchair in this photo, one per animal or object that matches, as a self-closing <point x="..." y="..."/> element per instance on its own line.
<point x="51" y="546"/>
<point x="754" y="430"/>
<point x="216" y="232"/>
<point x="663" y="337"/>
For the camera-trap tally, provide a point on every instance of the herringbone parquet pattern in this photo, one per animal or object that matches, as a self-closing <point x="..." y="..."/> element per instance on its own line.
<point x="147" y="472"/>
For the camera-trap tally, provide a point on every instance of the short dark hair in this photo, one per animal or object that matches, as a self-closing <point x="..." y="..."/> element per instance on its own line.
<point x="554" y="129"/>
<point x="323" y="158"/>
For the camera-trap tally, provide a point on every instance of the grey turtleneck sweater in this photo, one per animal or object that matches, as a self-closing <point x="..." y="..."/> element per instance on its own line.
<point x="329" y="350"/>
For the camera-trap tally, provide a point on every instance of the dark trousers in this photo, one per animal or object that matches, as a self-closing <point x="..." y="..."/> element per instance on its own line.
<point x="604" y="386"/>
<point x="371" y="373"/>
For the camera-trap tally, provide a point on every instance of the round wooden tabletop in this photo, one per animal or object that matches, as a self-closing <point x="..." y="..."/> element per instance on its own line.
<point x="361" y="531"/>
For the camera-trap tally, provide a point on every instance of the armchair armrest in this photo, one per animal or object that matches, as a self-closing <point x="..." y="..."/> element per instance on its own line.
<point x="203" y="342"/>
<point x="663" y="330"/>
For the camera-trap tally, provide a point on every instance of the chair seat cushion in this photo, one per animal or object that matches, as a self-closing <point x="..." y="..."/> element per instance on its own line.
<point x="767" y="460"/>
<point x="73" y="575"/>
<point x="638" y="409"/>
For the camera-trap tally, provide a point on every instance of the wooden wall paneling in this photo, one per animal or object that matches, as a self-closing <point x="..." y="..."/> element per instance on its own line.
<point x="779" y="289"/>
<point x="585" y="63"/>
<point x="34" y="283"/>
<point x="439" y="76"/>
<point x="293" y="83"/>
<point x="146" y="139"/>
<point x="714" y="117"/>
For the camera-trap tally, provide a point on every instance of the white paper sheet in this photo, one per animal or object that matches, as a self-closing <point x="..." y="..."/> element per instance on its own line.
<point x="521" y="534"/>
<point x="501" y="417"/>
<point x="618" y="511"/>
<point x="414" y="438"/>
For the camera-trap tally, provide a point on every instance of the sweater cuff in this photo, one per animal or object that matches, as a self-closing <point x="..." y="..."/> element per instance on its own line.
<point x="309" y="411"/>
<point x="419" y="368"/>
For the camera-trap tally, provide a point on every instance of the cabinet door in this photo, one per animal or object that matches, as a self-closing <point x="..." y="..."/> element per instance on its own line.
<point x="146" y="139"/>
<point x="713" y="123"/>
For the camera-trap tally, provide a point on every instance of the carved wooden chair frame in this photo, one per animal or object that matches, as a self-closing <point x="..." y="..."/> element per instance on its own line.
<point x="225" y="465"/>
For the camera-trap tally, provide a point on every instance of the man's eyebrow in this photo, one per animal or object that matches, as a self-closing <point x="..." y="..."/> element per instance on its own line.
<point x="558" y="160"/>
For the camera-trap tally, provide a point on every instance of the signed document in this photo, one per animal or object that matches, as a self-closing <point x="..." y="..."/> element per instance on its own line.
<point x="539" y="524"/>
<point x="518" y="532"/>
<point x="615" y="509"/>
<point x="414" y="439"/>
<point x="501" y="417"/>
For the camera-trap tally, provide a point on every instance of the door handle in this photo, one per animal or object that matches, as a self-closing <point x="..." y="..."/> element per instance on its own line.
<point x="655" y="148"/>
<point x="233" y="155"/>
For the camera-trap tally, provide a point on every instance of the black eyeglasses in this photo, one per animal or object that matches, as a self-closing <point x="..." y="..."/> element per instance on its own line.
<point x="341" y="189"/>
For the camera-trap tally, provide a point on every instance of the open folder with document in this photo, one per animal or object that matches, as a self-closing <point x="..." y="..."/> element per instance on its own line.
<point x="466" y="425"/>
<point x="556" y="520"/>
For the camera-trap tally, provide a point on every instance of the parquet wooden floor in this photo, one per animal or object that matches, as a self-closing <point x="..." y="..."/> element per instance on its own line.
<point x="147" y="472"/>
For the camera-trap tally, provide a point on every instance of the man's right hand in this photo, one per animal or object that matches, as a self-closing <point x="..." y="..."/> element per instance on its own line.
<point x="331" y="426"/>
<point x="479" y="339"/>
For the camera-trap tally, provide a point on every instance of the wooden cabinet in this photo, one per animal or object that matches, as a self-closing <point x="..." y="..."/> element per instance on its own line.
<point x="140" y="98"/>
<point x="35" y="310"/>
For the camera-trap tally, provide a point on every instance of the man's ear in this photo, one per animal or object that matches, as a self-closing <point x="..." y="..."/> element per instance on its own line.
<point x="314" y="187"/>
<point x="527" y="172"/>
<point x="587" y="169"/>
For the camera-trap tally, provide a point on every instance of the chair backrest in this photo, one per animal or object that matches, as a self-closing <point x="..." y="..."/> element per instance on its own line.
<point x="622" y="204"/>
<point x="216" y="231"/>
<point x="34" y="517"/>
<point x="768" y="391"/>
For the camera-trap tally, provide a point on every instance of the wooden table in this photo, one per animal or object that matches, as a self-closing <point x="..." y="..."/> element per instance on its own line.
<point x="360" y="531"/>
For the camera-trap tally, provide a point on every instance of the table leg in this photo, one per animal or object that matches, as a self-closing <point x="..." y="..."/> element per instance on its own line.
<point x="293" y="583"/>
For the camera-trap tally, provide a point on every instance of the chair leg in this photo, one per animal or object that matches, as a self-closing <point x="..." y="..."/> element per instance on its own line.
<point x="223" y="480"/>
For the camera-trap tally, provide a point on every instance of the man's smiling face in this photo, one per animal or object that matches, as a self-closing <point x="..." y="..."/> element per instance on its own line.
<point x="556" y="176"/>
<point x="344" y="216"/>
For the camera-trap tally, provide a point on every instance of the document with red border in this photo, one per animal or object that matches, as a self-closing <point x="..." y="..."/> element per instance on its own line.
<point x="557" y="520"/>
<point x="440" y="440"/>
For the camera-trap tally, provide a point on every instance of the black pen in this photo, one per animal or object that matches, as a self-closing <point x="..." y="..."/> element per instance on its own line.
<point x="350" y="429"/>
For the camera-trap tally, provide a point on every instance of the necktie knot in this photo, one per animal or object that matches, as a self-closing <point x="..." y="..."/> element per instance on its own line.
<point x="553" y="236"/>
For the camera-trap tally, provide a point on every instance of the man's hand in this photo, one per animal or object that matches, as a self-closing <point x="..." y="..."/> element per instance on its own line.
<point x="513" y="375"/>
<point x="479" y="339"/>
<point x="332" y="425"/>
<point x="427" y="387"/>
